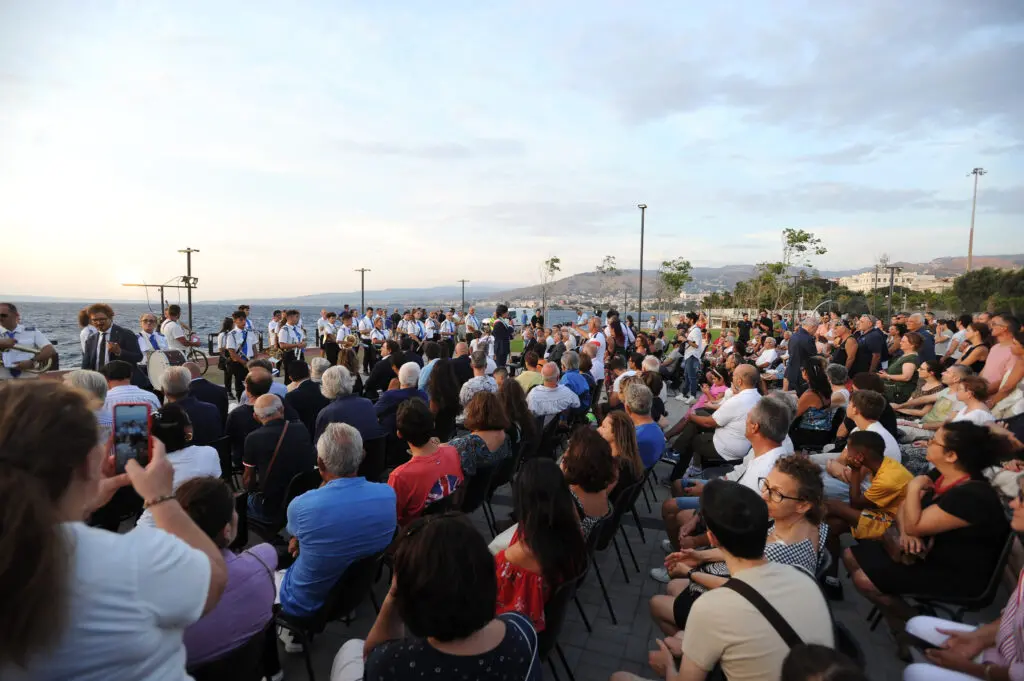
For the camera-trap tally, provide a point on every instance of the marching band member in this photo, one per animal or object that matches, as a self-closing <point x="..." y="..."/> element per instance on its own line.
<point x="365" y="330"/>
<point x="472" y="323"/>
<point x="272" y="328"/>
<point x="174" y="331"/>
<point x="240" y="351"/>
<point x="448" y="330"/>
<point x="344" y="327"/>
<point x="291" y="339"/>
<point x="420" y="330"/>
<point x="244" y="309"/>
<point x="149" y="338"/>
<point x="378" y="336"/>
<point x="405" y="324"/>
<point x="321" y="322"/>
<point x="328" y="330"/>
<point x="432" y="328"/>
<point x="13" y="333"/>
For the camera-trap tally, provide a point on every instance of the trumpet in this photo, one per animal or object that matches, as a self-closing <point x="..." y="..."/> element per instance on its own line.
<point x="45" y="366"/>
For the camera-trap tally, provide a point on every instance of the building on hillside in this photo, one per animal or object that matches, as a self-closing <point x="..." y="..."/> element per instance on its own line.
<point x="915" y="281"/>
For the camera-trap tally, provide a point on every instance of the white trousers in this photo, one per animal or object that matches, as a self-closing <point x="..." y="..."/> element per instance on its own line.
<point x="927" y="628"/>
<point x="348" y="663"/>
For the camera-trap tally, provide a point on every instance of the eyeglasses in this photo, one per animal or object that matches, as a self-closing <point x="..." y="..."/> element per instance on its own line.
<point x="774" y="493"/>
<point x="1020" y="489"/>
<point x="4" y="315"/>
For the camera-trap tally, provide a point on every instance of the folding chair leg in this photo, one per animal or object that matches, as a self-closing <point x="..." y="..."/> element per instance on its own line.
<point x="639" y="527"/>
<point x="583" y="615"/>
<point x="646" y="500"/>
<point x="629" y="547"/>
<point x="618" y="552"/>
<point x="306" y="641"/>
<point x="650" y="483"/>
<point x="554" y="671"/>
<point x="373" y="599"/>
<point x="561" y="656"/>
<point x="604" y="592"/>
<point x="487" y="517"/>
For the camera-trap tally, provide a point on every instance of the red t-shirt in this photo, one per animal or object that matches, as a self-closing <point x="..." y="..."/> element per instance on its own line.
<point x="425" y="479"/>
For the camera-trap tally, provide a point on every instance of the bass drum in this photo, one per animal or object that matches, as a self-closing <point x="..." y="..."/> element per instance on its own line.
<point x="158" y="363"/>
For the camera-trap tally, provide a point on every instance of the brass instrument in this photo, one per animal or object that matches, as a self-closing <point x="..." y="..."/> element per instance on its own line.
<point x="350" y="341"/>
<point x="45" y="366"/>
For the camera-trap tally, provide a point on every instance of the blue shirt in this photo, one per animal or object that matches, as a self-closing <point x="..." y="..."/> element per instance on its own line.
<point x="425" y="374"/>
<point x="651" y="442"/>
<point x="574" y="380"/>
<point x="337" y="524"/>
<point x="279" y="389"/>
<point x="354" y="410"/>
<point x="927" y="349"/>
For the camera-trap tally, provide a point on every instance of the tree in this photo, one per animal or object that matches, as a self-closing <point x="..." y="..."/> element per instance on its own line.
<point x="607" y="271"/>
<point x="798" y="246"/>
<point x="548" y="269"/>
<point x="673" y="276"/>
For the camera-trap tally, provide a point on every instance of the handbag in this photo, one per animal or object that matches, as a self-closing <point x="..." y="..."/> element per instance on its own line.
<point x="259" y="494"/>
<point x="891" y="544"/>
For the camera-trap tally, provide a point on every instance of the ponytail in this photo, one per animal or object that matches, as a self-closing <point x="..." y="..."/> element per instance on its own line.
<point x="976" y="447"/>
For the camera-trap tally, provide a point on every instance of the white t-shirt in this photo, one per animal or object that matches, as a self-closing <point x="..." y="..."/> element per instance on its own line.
<point x="754" y="468"/>
<point x="85" y="334"/>
<point x="132" y="596"/>
<point x="730" y="436"/>
<point x="172" y="331"/>
<point x="767" y="357"/>
<point x="195" y="461"/>
<point x="597" y="368"/>
<point x="958" y="338"/>
<point x="892" y="448"/>
<point x="694" y="336"/>
<point x="978" y="416"/>
<point x="601" y="342"/>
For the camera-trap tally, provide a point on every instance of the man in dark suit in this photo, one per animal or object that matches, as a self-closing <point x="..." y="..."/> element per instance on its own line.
<point x="242" y="419"/>
<point x="266" y="472"/>
<point x="502" y="332"/>
<point x="305" y="398"/>
<point x="208" y="392"/>
<point x="801" y="346"/>
<point x="408" y="353"/>
<point x="206" y="423"/>
<point x="112" y="342"/>
<point x="460" y="364"/>
<point x="382" y="372"/>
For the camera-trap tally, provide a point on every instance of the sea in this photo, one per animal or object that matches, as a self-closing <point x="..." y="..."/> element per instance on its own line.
<point x="59" y="321"/>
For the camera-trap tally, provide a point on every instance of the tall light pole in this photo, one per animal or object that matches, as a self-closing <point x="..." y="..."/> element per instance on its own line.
<point x="640" y="295"/>
<point x="362" y="288"/>
<point x="977" y="172"/>
<point x="463" y="282"/>
<point x="892" y="277"/>
<point x="189" y="281"/>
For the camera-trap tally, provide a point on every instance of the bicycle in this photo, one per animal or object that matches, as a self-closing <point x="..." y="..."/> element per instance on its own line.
<point x="200" y="358"/>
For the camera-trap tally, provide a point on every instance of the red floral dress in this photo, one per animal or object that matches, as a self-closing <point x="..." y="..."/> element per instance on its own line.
<point x="520" y="590"/>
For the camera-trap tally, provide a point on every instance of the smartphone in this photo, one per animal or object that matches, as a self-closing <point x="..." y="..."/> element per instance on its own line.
<point x="133" y="437"/>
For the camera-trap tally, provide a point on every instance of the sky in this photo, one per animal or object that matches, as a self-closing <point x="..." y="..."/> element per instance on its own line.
<point x="294" y="142"/>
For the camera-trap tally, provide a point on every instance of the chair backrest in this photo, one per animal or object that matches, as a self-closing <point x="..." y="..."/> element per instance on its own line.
<point x="223" y="447"/>
<point x="554" y="612"/>
<point x="837" y="420"/>
<point x="510" y="464"/>
<point x="607" y="528"/>
<point x="374" y="461"/>
<point x="988" y="595"/>
<point x="547" y="426"/>
<point x="348" y="592"/>
<point x="601" y="534"/>
<point x="477" y="488"/>
<point x="300" y="484"/>
<point x="244" y="663"/>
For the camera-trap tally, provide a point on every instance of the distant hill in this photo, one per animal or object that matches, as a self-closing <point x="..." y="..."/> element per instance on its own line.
<point x="388" y="296"/>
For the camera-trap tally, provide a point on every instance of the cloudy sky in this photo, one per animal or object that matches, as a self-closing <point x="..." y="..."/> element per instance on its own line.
<point x="293" y="142"/>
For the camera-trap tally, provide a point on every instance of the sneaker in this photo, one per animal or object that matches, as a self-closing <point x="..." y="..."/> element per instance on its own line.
<point x="290" y="646"/>
<point x="832" y="588"/>
<point x="660" y="575"/>
<point x="276" y="677"/>
<point x="667" y="547"/>
<point x="682" y="398"/>
<point x="694" y="472"/>
<point x="670" y="456"/>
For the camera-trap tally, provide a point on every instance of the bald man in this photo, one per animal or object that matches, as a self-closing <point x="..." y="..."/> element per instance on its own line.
<point x="461" y="364"/>
<point x="719" y="439"/>
<point x="274" y="453"/>
<point x="549" y="397"/>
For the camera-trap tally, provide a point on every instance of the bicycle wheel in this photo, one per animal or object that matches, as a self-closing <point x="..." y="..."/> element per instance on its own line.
<point x="199" y="357"/>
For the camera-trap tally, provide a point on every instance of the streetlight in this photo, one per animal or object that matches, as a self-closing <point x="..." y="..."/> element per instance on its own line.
<point x="640" y="296"/>
<point x="977" y="172"/>
<point x="362" y="287"/>
<point x="463" y="282"/>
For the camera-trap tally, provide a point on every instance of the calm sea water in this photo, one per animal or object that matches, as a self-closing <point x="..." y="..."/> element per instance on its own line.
<point x="59" y="321"/>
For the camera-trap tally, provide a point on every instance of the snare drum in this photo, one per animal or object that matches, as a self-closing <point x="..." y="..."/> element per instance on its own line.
<point x="158" y="363"/>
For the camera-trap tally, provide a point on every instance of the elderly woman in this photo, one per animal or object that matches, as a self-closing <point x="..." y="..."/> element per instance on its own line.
<point x="486" y="445"/>
<point x="901" y="375"/>
<point x="837" y="378"/>
<point x="337" y="385"/>
<point x="94" y="384"/>
<point x="317" y="367"/>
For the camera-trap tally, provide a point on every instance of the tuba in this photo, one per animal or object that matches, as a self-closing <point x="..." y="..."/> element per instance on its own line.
<point x="350" y="341"/>
<point x="45" y="366"/>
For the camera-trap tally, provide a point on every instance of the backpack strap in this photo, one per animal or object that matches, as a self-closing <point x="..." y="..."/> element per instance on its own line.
<point x="777" y="621"/>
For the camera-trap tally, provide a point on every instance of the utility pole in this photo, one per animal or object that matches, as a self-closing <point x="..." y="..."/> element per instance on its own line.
<point x="640" y="295"/>
<point x="977" y="172"/>
<point x="874" y="291"/>
<point x="189" y="281"/>
<point x="892" y="277"/>
<point x="463" y="282"/>
<point x="362" y="288"/>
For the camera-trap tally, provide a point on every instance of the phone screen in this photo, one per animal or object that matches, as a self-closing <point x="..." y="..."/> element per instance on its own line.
<point x="131" y="434"/>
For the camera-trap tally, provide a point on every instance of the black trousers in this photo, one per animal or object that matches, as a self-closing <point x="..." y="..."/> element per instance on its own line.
<point x="286" y="362"/>
<point x="330" y="349"/>
<point x="369" y="356"/>
<point x="694" y="442"/>
<point x="236" y="371"/>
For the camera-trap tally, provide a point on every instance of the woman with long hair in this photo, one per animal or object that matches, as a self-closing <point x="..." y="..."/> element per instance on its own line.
<point x="620" y="433"/>
<point x="547" y="547"/>
<point x="347" y="358"/>
<point x="951" y="528"/>
<point x="978" y="338"/>
<point x="523" y="422"/>
<point x="443" y="391"/>
<point x="812" y="425"/>
<point x="61" y="576"/>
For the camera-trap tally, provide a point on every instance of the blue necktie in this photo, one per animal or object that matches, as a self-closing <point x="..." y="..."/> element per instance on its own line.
<point x="245" y="344"/>
<point x="152" y="341"/>
<point x="14" y="372"/>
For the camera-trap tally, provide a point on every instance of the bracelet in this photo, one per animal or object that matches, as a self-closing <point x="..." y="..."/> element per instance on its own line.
<point x="159" y="500"/>
<point x="988" y="671"/>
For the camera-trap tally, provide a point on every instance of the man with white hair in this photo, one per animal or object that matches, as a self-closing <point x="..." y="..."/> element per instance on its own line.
<point x="768" y="355"/>
<point x="317" y="367"/>
<point x="205" y="418"/>
<point x="387" y="406"/>
<point x="650" y="440"/>
<point x="480" y="382"/>
<point x="345" y="519"/>
<point x="801" y="347"/>
<point x="344" y="406"/>
<point x="274" y="454"/>
<point x="550" y="398"/>
<point x="915" y="323"/>
<point x="573" y="379"/>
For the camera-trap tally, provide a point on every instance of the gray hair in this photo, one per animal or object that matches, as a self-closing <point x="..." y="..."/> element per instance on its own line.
<point x="639" y="399"/>
<point x="409" y="375"/>
<point x="276" y="406"/>
<point x="917" y="317"/>
<point x="550" y="374"/>
<point x="872" y="318"/>
<point x="837" y="374"/>
<point x="484" y="347"/>
<point x="478" y="359"/>
<point x="650" y="363"/>
<point x="337" y="381"/>
<point x="809" y="322"/>
<point x="340" y="448"/>
<point x="769" y="342"/>
<point x="570" y="360"/>
<point x="318" y="367"/>
<point x="788" y="399"/>
<point x="772" y="417"/>
<point x="176" y="382"/>
<point x="91" y="382"/>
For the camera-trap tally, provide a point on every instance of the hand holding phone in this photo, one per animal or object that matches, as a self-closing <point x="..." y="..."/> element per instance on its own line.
<point x="132" y="435"/>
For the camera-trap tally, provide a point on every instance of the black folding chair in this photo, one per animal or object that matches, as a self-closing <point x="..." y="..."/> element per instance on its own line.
<point x="374" y="459"/>
<point x="244" y="663"/>
<point x="600" y="536"/>
<point x="299" y="484"/>
<point x="355" y="584"/>
<point x="227" y="471"/>
<point x="503" y="473"/>
<point x="475" y="490"/>
<point x="554" y="619"/>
